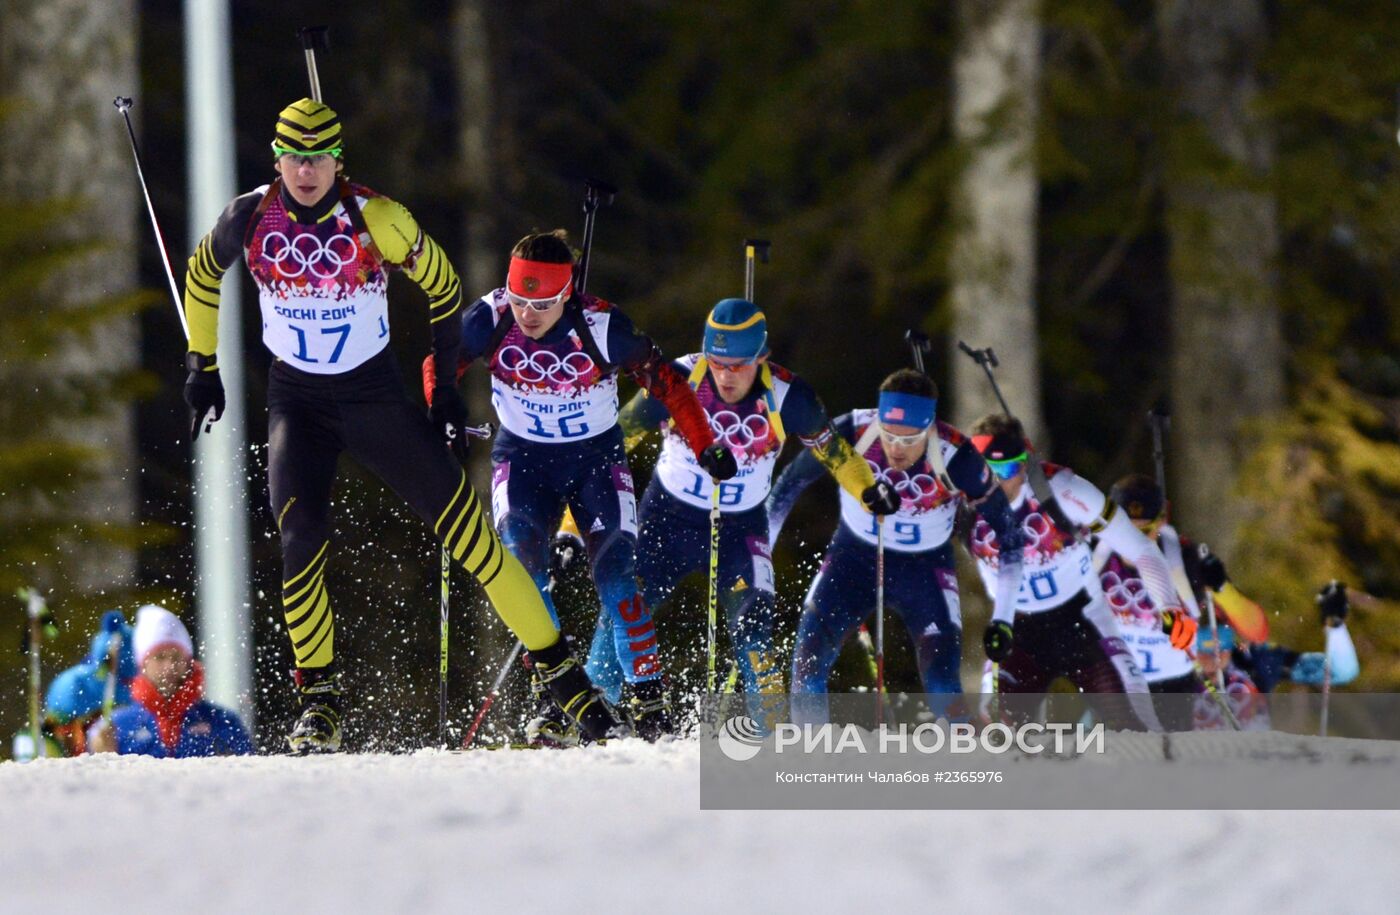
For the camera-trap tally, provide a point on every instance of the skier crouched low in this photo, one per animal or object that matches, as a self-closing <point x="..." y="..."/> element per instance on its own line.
<point x="753" y="406"/>
<point x="934" y="469"/>
<point x="554" y="358"/>
<point x="320" y="250"/>
<point x="1063" y="625"/>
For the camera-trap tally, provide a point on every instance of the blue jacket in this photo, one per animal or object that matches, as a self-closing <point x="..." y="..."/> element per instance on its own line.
<point x="207" y="730"/>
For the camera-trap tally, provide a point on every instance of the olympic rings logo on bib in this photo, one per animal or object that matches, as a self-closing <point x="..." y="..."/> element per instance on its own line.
<point x="545" y="367"/>
<point x="912" y="489"/>
<point x="1128" y="597"/>
<point x="308" y="254"/>
<point x="1042" y="539"/>
<point x="734" y="431"/>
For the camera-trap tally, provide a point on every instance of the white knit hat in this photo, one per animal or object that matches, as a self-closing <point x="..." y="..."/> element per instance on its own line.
<point x="157" y="627"/>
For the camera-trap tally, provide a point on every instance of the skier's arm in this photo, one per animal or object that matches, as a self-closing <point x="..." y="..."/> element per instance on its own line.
<point x="1170" y="543"/>
<point x="1309" y="668"/>
<point x="406" y="246"/>
<point x="1207" y="569"/>
<point x="1084" y="504"/>
<point x="212" y="257"/>
<point x="804" y="416"/>
<point x="640" y="416"/>
<point x="800" y="473"/>
<point x="638" y="356"/>
<point x="968" y="471"/>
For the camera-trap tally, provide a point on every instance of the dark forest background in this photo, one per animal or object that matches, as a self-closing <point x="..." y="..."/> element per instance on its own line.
<point x="1192" y="162"/>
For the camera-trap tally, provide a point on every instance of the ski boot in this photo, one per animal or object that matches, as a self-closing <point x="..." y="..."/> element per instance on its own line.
<point x="318" y="728"/>
<point x="650" y="709"/>
<point x="574" y="694"/>
<point x="550" y="727"/>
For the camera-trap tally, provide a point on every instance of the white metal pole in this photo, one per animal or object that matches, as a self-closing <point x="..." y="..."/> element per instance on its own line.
<point x="220" y="512"/>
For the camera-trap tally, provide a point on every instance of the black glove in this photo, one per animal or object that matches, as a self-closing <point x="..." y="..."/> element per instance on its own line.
<point x="1332" y="603"/>
<point x="881" y="499"/>
<point x="448" y="414"/>
<point x="996" y="641"/>
<point x="566" y="553"/>
<point x="1212" y="569"/>
<point x="204" y="392"/>
<point x="719" y="462"/>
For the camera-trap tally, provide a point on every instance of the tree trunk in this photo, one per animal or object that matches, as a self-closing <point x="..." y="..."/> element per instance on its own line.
<point x="996" y="74"/>
<point x="62" y="63"/>
<point x="1227" y="346"/>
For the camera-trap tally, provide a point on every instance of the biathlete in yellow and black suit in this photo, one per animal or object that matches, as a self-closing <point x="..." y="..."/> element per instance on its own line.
<point x="320" y="249"/>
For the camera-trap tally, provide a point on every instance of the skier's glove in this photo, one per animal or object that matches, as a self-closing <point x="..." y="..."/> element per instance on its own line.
<point x="1212" y="569"/>
<point x="719" y="462"/>
<point x="566" y="553"/>
<point x="448" y="414"/>
<point x="1181" y="627"/>
<point x="996" y="641"/>
<point x="1332" y="603"/>
<point x="204" y="392"/>
<point x="881" y="499"/>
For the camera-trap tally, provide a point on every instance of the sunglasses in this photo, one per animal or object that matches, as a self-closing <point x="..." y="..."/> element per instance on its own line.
<point x="1008" y="468"/>
<point x="545" y="304"/>
<point x="734" y="367"/>
<point x="313" y="159"/>
<point x="906" y="440"/>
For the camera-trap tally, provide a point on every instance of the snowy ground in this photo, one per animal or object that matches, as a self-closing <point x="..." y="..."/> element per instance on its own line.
<point x="619" y="829"/>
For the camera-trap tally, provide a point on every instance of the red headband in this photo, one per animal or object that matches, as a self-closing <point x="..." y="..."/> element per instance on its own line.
<point x="537" y="279"/>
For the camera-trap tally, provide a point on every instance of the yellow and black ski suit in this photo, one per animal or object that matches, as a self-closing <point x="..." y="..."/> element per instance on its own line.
<point x="321" y="274"/>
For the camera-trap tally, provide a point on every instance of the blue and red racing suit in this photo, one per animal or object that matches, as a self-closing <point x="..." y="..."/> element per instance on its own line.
<point x="560" y="446"/>
<point x="920" y="582"/>
<point x="675" y="524"/>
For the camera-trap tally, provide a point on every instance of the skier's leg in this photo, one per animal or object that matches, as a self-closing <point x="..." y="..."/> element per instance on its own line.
<point x="747" y="592"/>
<point x="671" y="543"/>
<point x="395" y="441"/>
<point x="839" y="598"/>
<point x="924" y="591"/>
<point x="393" y="438"/>
<point x="302" y="451"/>
<point x="301" y="461"/>
<point x="605" y="507"/>
<point x="1099" y="662"/>
<point x="1027" y="671"/>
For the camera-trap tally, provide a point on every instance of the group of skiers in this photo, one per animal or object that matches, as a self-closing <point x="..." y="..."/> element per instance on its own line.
<point x="1094" y="588"/>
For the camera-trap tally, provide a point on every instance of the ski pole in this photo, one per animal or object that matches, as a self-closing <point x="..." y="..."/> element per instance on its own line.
<point x="1326" y="684"/>
<point x="123" y="105"/>
<point x="596" y="193"/>
<point x="755" y="249"/>
<point x="1160" y="421"/>
<point x="41" y="625"/>
<point x="109" y="685"/>
<point x="443" y="625"/>
<point x="712" y="608"/>
<point x="1215" y="636"/>
<point x="482" y="431"/>
<point x="491" y="696"/>
<point x="919" y="346"/>
<point x="879" y="620"/>
<point x="314" y="38"/>
<point x="1035" y="474"/>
